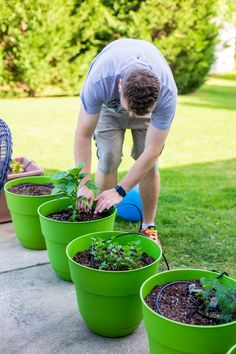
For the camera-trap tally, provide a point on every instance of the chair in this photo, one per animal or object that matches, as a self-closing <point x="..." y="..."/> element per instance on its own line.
<point x="5" y="152"/>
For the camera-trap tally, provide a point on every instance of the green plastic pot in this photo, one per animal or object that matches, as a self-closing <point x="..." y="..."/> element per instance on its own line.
<point x="171" y="337"/>
<point x="109" y="300"/>
<point x="23" y="209"/>
<point x="59" y="233"/>
<point x="232" y="350"/>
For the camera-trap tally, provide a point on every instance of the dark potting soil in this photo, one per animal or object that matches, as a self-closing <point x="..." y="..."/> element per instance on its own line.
<point x="178" y="304"/>
<point x="64" y="215"/>
<point x="84" y="258"/>
<point x="32" y="189"/>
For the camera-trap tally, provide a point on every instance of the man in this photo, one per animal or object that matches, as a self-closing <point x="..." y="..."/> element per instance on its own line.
<point x="129" y="86"/>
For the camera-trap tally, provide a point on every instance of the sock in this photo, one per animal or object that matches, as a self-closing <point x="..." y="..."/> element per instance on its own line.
<point x="144" y="226"/>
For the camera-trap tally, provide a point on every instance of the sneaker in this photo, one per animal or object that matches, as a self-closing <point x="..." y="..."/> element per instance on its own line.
<point x="151" y="232"/>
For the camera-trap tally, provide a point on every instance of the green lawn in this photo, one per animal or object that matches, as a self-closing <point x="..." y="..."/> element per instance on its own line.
<point x="203" y="129"/>
<point x="197" y="209"/>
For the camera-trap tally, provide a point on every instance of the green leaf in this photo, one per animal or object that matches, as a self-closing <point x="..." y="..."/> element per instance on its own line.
<point x="82" y="175"/>
<point x="81" y="165"/>
<point x="92" y="186"/>
<point x="71" y="187"/>
<point x="85" y="201"/>
<point x="77" y="172"/>
<point x="59" y="175"/>
<point x="55" y="190"/>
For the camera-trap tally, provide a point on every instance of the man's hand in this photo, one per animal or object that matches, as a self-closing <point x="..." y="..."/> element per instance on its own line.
<point x="86" y="193"/>
<point x="107" y="199"/>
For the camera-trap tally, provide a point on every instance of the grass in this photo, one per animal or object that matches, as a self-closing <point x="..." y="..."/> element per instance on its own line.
<point x="203" y="129"/>
<point x="197" y="208"/>
<point x="196" y="216"/>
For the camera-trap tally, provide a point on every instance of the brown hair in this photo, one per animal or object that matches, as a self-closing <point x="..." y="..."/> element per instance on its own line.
<point x="141" y="89"/>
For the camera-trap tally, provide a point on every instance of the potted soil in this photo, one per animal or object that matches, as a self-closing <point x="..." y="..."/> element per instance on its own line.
<point x="20" y="167"/>
<point x="107" y="269"/>
<point x="195" y="308"/>
<point x="24" y="196"/>
<point x="61" y="221"/>
<point x="232" y="350"/>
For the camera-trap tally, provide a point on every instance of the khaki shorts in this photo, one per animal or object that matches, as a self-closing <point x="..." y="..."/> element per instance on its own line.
<point x="109" y="137"/>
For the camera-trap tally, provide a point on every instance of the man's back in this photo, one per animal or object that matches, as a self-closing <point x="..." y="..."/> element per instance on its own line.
<point x="113" y="63"/>
<point x="123" y="54"/>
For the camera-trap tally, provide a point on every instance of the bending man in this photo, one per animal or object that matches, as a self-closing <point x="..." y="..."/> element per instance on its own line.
<point x="129" y="86"/>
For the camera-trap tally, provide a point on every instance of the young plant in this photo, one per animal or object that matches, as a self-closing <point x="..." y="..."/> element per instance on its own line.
<point x="68" y="182"/>
<point x="218" y="297"/>
<point x="16" y="167"/>
<point x="110" y="255"/>
<point x="222" y="295"/>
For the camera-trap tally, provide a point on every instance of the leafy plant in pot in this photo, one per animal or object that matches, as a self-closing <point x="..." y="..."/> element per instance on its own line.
<point x="61" y="222"/>
<point x="67" y="184"/>
<point x="16" y="167"/>
<point x="24" y="196"/>
<point x="107" y="269"/>
<point x="195" y="326"/>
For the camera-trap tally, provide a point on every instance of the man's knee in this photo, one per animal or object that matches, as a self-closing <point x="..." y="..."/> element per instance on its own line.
<point x="108" y="162"/>
<point x="154" y="170"/>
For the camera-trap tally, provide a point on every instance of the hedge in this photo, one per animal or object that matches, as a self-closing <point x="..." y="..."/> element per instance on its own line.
<point x="51" y="43"/>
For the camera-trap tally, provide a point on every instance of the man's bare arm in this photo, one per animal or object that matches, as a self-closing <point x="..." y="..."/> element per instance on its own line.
<point x="83" y="135"/>
<point x="83" y="150"/>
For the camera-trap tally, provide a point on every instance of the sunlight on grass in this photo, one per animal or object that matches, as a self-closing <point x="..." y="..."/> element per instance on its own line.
<point x="203" y="129"/>
<point x="196" y="216"/>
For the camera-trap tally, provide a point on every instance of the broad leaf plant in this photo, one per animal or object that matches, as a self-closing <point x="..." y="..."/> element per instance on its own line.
<point x="67" y="183"/>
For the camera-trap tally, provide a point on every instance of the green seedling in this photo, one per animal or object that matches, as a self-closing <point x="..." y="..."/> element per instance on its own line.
<point x="217" y="295"/>
<point x="111" y="255"/>
<point x="68" y="182"/>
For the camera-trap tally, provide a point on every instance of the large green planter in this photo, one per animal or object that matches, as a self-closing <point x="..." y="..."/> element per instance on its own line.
<point x="232" y="350"/>
<point x="59" y="233"/>
<point x="24" y="214"/>
<point x="171" y="337"/>
<point x="109" y="300"/>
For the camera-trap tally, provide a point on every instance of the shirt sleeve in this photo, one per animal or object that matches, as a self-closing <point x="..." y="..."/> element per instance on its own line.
<point x="91" y="97"/>
<point x="164" y="112"/>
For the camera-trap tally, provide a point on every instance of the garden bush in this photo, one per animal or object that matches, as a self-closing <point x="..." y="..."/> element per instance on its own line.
<point x="51" y="43"/>
<point x="33" y="41"/>
<point x="185" y="31"/>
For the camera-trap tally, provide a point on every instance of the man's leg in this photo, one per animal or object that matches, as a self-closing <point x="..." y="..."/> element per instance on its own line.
<point x="149" y="188"/>
<point x="106" y="180"/>
<point x="109" y="137"/>
<point x="149" y="185"/>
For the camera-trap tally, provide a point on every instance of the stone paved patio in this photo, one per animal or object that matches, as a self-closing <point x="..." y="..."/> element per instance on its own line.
<point x="38" y="311"/>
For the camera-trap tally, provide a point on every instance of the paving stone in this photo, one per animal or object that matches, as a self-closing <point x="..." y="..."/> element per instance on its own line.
<point x="39" y="314"/>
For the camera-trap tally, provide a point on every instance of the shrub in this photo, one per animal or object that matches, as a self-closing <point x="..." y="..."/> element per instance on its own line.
<point x="45" y="43"/>
<point x="33" y="37"/>
<point x="184" y="31"/>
